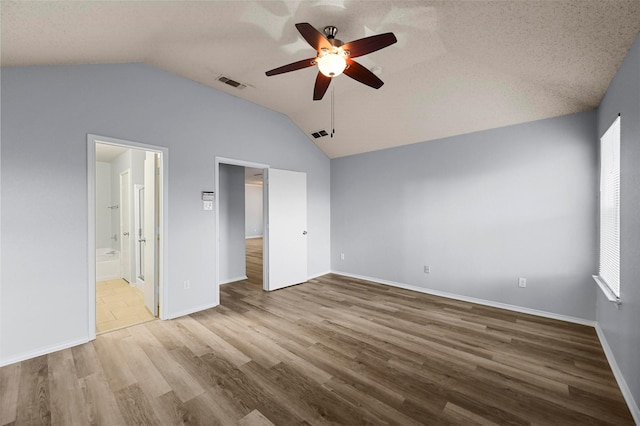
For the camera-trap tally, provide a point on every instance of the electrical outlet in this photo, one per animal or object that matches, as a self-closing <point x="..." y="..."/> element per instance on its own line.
<point x="341" y="256"/>
<point x="522" y="282"/>
<point x="187" y="285"/>
<point x="427" y="269"/>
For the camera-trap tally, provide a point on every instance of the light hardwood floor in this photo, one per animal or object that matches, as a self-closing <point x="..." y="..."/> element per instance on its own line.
<point x="119" y="305"/>
<point x="254" y="261"/>
<point x="333" y="350"/>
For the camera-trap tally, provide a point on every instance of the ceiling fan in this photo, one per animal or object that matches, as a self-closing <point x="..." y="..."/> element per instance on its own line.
<point x="334" y="57"/>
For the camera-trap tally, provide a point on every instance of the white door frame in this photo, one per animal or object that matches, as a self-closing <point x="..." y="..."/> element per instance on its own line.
<point x="265" y="238"/>
<point x="91" y="228"/>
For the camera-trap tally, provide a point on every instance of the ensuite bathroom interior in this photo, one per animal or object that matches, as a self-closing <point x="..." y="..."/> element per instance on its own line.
<point x="119" y="238"/>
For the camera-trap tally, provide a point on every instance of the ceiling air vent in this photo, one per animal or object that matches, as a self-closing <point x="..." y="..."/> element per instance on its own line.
<point x="319" y="134"/>
<point x="230" y="82"/>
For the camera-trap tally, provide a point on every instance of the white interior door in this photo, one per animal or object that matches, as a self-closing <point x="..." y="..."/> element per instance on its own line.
<point x="287" y="228"/>
<point x="125" y="225"/>
<point x="150" y="232"/>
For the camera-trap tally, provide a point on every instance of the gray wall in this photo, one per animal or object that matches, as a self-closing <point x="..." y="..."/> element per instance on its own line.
<point x="47" y="113"/>
<point x="231" y="203"/>
<point x="254" y="222"/>
<point x="482" y="210"/>
<point x="621" y="327"/>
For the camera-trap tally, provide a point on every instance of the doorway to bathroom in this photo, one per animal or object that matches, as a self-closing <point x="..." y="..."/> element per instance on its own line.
<point x="127" y="193"/>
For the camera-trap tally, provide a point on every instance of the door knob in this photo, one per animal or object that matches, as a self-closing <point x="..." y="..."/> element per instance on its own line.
<point x="126" y="234"/>
<point x="142" y="240"/>
<point x="304" y="232"/>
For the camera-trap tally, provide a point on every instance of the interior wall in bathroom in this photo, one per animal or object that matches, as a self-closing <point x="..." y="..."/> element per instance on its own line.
<point x="137" y="178"/>
<point x="132" y="159"/>
<point x="137" y="167"/>
<point x="103" y="201"/>
<point x="119" y="164"/>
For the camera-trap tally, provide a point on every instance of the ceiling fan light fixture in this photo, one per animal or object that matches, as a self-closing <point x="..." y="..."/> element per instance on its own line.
<point x="334" y="57"/>
<point x="333" y="63"/>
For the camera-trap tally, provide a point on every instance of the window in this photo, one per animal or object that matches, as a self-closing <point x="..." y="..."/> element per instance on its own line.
<point x="609" y="269"/>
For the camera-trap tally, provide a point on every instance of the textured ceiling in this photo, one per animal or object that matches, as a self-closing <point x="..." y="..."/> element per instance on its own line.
<point x="458" y="66"/>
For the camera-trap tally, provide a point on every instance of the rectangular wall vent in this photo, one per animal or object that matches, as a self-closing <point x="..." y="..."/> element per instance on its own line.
<point x="319" y="134"/>
<point x="232" y="83"/>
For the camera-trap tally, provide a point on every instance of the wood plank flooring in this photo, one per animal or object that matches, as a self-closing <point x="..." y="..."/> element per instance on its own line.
<point x="334" y="350"/>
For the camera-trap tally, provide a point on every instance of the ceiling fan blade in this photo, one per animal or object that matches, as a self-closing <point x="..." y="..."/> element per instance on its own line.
<point x="314" y="37"/>
<point x="292" y="67"/>
<point x="362" y="74"/>
<point x="322" y="84"/>
<point x="367" y="45"/>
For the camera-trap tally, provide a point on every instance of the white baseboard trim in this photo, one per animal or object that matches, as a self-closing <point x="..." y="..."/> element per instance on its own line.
<point x="190" y="311"/>
<point x="233" y="280"/>
<point x="317" y="275"/>
<point x="484" y="302"/>
<point x="43" y="351"/>
<point x="250" y="237"/>
<point x="107" y="277"/>
<point x="622" y="383"/>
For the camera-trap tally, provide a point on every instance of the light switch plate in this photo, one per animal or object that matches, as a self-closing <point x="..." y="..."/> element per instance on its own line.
<point x="207" y="205"/>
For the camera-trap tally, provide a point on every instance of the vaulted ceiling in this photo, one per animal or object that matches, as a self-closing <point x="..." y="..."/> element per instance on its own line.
<point x="458" y="66"/>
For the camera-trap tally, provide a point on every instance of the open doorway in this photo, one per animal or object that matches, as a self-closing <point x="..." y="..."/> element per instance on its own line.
<point x="127" y="189"/>
<point x="254" y="225"/>
<point x="241" y="222"/>
<point x="284" y="220"/>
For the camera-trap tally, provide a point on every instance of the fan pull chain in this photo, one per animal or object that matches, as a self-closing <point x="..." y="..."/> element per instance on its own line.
<point x="333" y="112"/>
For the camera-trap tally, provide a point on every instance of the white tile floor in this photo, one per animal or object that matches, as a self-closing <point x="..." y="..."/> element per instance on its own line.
<point x="119" y="305"/>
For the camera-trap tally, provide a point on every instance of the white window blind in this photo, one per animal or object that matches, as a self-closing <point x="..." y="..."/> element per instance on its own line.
<point x="609" y="270"/>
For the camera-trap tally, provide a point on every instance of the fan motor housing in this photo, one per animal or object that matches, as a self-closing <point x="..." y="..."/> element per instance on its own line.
<point x="331" y="32"/>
